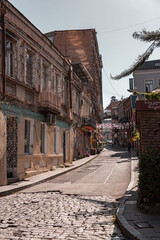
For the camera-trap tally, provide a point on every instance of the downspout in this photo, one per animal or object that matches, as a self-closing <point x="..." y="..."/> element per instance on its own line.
<point x="3" y="12"/>
<point x="70" y="88"/>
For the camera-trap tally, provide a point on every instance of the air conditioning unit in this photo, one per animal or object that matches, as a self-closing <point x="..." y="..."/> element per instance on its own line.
<point x="51" y="119"/>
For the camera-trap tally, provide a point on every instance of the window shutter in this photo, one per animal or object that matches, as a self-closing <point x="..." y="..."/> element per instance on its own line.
<point x="31" y="136"/>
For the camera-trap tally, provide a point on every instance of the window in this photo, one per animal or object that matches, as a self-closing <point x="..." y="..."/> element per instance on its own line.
<point x="131" y="84"/>
<point x="159" y="83"/>
<point x="65" y="93"/>
<point x="27" y="137"/>
<point x="77" y="105"/>
<point x="29" y="69"/>
<point x="56" y="85"/>
<point x="10" y="88"/>
<point x="148" y="85"/>
<point x="43" y="138"/>
<point x="44" y="77"/>
<point x="29" y="96"/>
<point x="157" y="64"/>
<point x="9" y="58"/>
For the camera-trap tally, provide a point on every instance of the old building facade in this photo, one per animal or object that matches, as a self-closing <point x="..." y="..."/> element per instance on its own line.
<point x="81" y="46"/>
<point x="36" y="131"/>
<point x="146" y="77"/>
<point x="47" y="113"/>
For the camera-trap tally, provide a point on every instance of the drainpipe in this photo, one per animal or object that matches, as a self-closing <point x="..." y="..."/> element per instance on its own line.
<point x="70" y="88"/>
<point x="3" y="12"/>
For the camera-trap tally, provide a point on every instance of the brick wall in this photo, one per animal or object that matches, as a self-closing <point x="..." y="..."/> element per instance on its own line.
<point x="81" y="46"/>
<point x="149" y="127"/>
<point x="77" y="45"/>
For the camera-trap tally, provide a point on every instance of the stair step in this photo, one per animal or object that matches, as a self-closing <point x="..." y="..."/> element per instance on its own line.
<point x="13" y="180"/>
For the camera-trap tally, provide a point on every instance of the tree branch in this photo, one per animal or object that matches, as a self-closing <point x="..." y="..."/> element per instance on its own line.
<point x="146" y="36"/>
<point x="139" y="61"/>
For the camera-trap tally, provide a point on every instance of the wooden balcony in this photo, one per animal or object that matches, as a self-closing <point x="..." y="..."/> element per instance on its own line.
<point x="88" y="122"/>
<point x="49" y="102"/>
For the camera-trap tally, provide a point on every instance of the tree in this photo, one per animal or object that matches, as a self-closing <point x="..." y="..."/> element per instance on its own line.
<point x="113" y="99"/>
<point x="145" y="36"/>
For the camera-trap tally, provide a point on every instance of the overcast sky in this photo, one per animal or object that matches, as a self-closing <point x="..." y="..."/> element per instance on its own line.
<point x="114" y="21"/>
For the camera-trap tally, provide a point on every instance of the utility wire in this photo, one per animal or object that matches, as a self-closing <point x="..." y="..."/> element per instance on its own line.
<point x="130" y="26"/>
<point x="111" y="93"/>
<point x="111" y="83"/>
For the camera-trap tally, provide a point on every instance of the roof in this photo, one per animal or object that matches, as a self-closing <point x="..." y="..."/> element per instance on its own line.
<point x="156" y="90"/>
<point x="115" y="104"/>
<point x="154" y="64"/>
<point x="71" y="30"/>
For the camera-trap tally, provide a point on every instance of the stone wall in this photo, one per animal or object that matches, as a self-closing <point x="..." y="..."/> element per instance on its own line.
<point x="12" y="140"/>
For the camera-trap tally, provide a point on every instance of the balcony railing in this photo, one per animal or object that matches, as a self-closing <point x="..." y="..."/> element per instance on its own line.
<point x="89" y="122"/>
<point x="49" y="102"/>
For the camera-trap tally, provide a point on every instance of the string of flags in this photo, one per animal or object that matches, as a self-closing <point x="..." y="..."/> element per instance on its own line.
<point x="126" y="125"/>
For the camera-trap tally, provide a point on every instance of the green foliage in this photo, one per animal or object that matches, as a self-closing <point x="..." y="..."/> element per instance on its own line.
<point x="147" y="36"/>
<point x="149" y="175"/>
<point x="153" y="96"/>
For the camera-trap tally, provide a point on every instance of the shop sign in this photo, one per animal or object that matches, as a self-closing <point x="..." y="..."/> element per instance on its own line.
<point x="148" y="105"/>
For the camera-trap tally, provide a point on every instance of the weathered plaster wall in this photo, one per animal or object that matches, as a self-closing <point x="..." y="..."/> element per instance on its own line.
<point x="20" y="162"/>
<point x="36" y="136"/>
<point x="50" y="139"/>
<point x="3" y="141"/>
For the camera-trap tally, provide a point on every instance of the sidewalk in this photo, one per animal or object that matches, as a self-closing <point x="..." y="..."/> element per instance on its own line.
<point x="134" y="224"/>
<point x="36" y="179"/>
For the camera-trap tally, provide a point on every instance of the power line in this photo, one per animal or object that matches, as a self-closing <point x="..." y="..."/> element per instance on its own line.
<point x="130" y="26"/>
<point x="111" y="83"/>
<point x="111" y="93"/>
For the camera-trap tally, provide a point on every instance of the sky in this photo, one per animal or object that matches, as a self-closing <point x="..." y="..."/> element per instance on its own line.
<point x="114" y="20"/>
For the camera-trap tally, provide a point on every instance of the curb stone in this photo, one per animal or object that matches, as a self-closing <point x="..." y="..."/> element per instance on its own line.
<point x="23" y="185"/>
<point x="125" y="227"/>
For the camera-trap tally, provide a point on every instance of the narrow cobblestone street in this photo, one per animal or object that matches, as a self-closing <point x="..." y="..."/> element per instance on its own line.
<point x="50" y="211"/>
<point x="56" y="216"/>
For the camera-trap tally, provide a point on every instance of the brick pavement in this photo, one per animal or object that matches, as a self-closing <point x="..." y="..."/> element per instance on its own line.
<point x="53" y="215"/>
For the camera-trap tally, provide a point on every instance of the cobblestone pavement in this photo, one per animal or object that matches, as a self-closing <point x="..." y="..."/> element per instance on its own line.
<point x="52" y="215"/>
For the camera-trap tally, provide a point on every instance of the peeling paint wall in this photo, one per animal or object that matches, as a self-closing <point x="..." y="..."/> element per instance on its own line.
<point x="3" y="143"/>
<point x="23" y="97"/>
